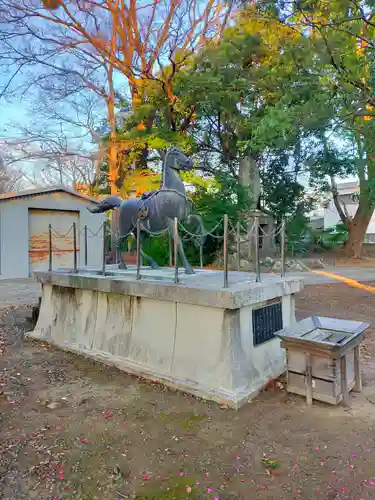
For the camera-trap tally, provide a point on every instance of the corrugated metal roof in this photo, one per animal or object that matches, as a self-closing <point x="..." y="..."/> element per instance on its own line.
<point x="41" y="191"/>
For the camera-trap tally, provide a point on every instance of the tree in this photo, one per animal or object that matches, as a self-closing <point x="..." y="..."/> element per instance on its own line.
<point x="48" y="154"/>
<point x="62" y="77"/>
<point x="10" y="179"/>
<point x="342" y="40"/>
<point x="283" y="194"/>
<point x="133" y="38"/>
<point x="252" y="98"/>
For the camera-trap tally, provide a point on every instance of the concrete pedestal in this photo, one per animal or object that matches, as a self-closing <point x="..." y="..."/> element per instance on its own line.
<point x="195" y="336"/>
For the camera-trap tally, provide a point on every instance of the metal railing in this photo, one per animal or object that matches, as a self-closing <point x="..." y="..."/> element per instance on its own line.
<point x="252" y="238"/>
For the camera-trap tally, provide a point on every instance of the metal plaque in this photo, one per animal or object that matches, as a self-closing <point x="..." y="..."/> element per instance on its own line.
<point x="266" y="322"/>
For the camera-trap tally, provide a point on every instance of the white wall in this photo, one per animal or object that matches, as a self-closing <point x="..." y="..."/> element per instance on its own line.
<point x="331" y="216"/>
<point x="14" y="230"/>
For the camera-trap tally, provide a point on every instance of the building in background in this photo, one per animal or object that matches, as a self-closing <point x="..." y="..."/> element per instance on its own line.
<point x="348" y="193"/>
<point x="317" y="219"/>
<point x="24" y="231"/>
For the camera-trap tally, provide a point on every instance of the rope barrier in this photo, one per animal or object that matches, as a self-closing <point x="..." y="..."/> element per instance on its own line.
<point x="190" y="235"/>
<point x="205" y="234"/>
<point x="232" y="231"/>
<point x="58" y="235"/>
<point x="247" y="230"/>
<point x="97" y="232"/>
<point x="157" y="234"/>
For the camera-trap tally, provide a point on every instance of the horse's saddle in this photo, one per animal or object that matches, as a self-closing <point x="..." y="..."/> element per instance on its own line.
<point x="145" y="196"/>
<point x="142" y="212"/>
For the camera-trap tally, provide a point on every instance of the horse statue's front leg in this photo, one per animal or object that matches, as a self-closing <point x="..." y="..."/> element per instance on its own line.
<point x="188" y="267"/>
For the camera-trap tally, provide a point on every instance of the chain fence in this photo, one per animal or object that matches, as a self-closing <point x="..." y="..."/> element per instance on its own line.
<point x="236" y="234"/>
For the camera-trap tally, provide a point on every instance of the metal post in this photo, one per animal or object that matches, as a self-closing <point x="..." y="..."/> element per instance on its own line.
<point x="50" y="247"/>
<point x="238" y="242"/>
<point x="257" y="263"/>
<point x="138" y="248"/>
<point x="75" y="270"/>
<point x="250" y="228"/>
<point x="175" y="242"/>
<point x="86" y="245"/>
<point x="225" y="251"/>
<point x="170" y="250"/>
<point x="104" y="246"/>
<point x="201" y="253"/>
<point x="283" y="248"/>
<point x="117" y="248"/>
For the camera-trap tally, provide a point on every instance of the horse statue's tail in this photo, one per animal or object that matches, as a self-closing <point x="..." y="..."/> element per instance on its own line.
<point x="108" y="203"/>
<point x="203" y="232"/>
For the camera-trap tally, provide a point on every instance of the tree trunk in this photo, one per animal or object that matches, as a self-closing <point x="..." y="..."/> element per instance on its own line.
<point x="357" y="226"/>
<point x="357" y="230"/>
<point x="249" y="178"/>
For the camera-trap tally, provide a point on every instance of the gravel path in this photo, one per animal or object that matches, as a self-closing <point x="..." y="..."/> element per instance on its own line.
<point x="19" y="292"/>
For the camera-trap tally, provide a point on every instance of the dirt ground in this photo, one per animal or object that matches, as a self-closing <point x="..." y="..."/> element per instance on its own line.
<point x="71" y="428"/>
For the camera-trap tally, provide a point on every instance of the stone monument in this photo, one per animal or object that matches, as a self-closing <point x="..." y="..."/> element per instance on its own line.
<point x="208" y="337"/>
<point x="267" y="241"/>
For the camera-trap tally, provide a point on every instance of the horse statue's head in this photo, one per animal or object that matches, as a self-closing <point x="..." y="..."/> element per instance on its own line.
<point x="177" y="160"/>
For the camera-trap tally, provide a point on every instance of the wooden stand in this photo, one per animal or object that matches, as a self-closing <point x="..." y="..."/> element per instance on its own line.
<point x="322" y="363"/>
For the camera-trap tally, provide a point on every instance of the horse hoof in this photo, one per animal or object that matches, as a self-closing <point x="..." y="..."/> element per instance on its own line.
<point x="155" y="266"/>
<point x="189" y="271"/>
<point x="122" y="266"/>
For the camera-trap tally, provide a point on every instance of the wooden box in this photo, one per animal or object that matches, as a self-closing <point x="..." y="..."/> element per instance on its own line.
<point x="323" y="358"/>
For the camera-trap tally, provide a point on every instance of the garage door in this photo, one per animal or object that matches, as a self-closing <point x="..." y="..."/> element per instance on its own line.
<point x="62" y="238"/>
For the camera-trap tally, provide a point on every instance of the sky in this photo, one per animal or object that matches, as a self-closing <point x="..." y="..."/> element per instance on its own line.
<point x="9" y="111"/>
<point x="15" y="110"/>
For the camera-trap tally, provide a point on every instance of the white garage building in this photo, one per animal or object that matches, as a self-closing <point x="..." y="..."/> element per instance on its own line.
<point x="24" y="231"/>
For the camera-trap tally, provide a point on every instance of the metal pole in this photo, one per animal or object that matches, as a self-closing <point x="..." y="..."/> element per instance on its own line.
<point x="283" y="248"/>
<point x="170" y="250"/>
<point x="201" y="253"/>
<point x="175" y="244"/>
<point x="250" y="228"/>
<point x="225" y="251"/>
<point x="50" y="247"/>
<point x="257" y="263"/>
<point x="75" y="270"/>
<point x="238" y="241"/>
<point x="138" y="248"/>
<point x="86" y="245"/>
<point x="104" y="246"/>
<point x="117" y="248"/>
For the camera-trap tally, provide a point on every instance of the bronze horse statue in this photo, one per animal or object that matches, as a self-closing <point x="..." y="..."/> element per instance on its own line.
<point x="156" y="210"/>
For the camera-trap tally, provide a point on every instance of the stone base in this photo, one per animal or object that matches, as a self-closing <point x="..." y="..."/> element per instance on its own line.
<point x="195" y="336"/>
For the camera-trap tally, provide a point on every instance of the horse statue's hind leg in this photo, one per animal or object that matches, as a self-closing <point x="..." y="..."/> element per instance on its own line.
<point x="119" y="245"/>
<point x="122" y="264"/>
<point x="149" y="259"/>
<point x="188" y="268"/>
